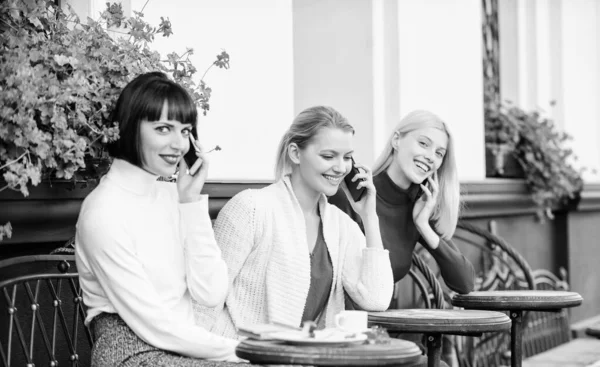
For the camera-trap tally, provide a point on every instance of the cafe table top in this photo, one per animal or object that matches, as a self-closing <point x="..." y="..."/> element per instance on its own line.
<point x="395" y="353"/>
<point x="440" y="321"/>
<point x="518" y="300"/>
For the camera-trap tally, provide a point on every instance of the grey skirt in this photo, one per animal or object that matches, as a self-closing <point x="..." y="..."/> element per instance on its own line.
<point x="117" y="345"/>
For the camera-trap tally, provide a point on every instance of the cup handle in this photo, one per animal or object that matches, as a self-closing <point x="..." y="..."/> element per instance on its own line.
<point x="339" y="318"/>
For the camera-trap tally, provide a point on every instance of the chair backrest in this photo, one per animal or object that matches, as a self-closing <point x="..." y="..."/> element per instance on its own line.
<point x="498" y="267"/>
<point x="42" y="313"/>
<point x="430" y="289"/>
<point x="546" y="330"/>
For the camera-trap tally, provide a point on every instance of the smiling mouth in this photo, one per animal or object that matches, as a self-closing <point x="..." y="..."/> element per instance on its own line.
<point x="334" y="180"/>
<point x="171" y="159"/>
<point x="423" y="166"/>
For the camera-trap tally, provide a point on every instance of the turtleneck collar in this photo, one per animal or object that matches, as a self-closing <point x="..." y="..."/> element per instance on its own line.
<point x="388" y="191"/>
<point x="132" y="178"/>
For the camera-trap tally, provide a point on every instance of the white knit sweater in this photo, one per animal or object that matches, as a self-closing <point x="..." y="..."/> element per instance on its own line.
<point x="263" y="241"/>
<point x="144" y="256"/>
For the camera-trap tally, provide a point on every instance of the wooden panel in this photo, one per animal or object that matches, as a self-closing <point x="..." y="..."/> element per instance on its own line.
<point x="584" y="257"/>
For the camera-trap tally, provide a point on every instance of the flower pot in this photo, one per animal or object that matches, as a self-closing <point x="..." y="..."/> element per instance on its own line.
<point x="572" y="203"/>
<point x="47" y="215"/>
<point x="500" y="162"/>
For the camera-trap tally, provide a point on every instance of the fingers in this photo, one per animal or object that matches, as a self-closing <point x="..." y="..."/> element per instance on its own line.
<point x="426" y="192"/>
<point x="362" y="176"/>
<point x="363" y="167"/>
<point x="364" y="179"/>
<point x="364" y="173"/>
<point x="434" y="184"/>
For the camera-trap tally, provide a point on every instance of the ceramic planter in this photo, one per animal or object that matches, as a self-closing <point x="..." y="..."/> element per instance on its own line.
<point x="499" y="162"/>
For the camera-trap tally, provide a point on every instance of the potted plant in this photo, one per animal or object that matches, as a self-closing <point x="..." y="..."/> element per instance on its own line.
<point x="501" y="138"/>
<point x="539" y="148"/>
<point x="59" y="79"/>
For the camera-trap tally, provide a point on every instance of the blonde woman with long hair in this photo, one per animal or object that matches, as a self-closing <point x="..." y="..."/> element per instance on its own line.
<point x="418" y="198"/>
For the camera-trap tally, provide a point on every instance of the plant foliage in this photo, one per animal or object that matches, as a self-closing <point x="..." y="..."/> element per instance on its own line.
<point x="59" y="79"/>
<point x="540" y="148"/>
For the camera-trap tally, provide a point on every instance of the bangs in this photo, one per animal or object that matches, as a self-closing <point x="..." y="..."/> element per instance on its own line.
<point x="180" y="106"/>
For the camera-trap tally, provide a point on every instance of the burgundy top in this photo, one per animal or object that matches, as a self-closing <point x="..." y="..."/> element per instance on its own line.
<point x="321" y="279"/>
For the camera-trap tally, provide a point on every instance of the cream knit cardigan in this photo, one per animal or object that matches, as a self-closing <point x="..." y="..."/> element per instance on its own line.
<point x="263" y="241"/>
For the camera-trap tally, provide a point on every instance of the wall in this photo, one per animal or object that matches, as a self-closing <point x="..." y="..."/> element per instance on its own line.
<point x="373" y="60"/>
<point x="333" y="64"/>
<point x="377" y="60"/>
<point x="550" y="51"/>
<point x="583" y="234"/>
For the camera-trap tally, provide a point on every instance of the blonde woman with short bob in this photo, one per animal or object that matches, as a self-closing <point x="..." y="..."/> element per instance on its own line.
<point x="418" y="198"/>
<point x="291" y="255"/>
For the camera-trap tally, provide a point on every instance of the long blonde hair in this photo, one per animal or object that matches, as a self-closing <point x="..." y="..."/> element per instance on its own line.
<point x="446" y="212"/>
<point x="304" y="127"/>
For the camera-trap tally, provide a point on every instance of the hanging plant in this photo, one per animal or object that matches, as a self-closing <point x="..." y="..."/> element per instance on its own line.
<point x="541" y="150"/>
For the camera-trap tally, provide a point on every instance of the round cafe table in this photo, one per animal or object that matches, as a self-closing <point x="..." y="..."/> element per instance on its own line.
<point x="516" y="302"/>
<point x="400" y="353"/>
<point x="436" y="322"/>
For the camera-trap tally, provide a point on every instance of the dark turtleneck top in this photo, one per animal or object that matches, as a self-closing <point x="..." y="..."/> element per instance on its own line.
<point x="400" y="235"/>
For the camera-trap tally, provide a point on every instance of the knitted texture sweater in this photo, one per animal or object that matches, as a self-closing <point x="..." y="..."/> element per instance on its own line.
<point x="144" y="256"/>
<point x="263" y="241"/>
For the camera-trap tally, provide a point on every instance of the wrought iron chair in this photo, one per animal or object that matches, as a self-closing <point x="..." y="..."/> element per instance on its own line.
<point x="430" y="289"/>
<point x="42" y="321"/>
<point x="430" y="295"/>
<point x="498" y="267"/>
<point x="546" y="330"/>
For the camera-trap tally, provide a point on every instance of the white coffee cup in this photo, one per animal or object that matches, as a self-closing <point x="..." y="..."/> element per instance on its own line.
<point x="354" y="321"/>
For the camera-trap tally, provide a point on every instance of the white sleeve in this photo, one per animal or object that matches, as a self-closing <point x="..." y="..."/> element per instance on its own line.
<point x="206" y="272"/>
<point x="235" y="232"/>
<point x="367" y="273"/>
<point x="111" y="258"/>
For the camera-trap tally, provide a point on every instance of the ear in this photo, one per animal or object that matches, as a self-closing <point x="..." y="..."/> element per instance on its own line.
<point x="395" y="139"/>
<point x="294" y="153"/>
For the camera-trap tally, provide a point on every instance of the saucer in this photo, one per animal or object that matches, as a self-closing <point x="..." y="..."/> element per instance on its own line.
<point x="328" y="337"/>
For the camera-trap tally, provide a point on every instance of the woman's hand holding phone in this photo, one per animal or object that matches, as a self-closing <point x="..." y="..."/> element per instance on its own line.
<point x="365" y="206"/>
<point x="190" y="180"/>
<point x="424" y="208"/>
<point x="362" y="177"/>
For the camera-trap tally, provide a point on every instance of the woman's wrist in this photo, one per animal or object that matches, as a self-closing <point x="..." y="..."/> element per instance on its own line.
<point x="369" y="215"/>
<point x="372" y="231"/>
<point x="184" y="199"/>
<point x="429" y="235"/>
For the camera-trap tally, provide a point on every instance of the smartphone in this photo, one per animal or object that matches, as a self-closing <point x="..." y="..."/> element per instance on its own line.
<point x="190" y="157"/>
<point x="355" y="192"/>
